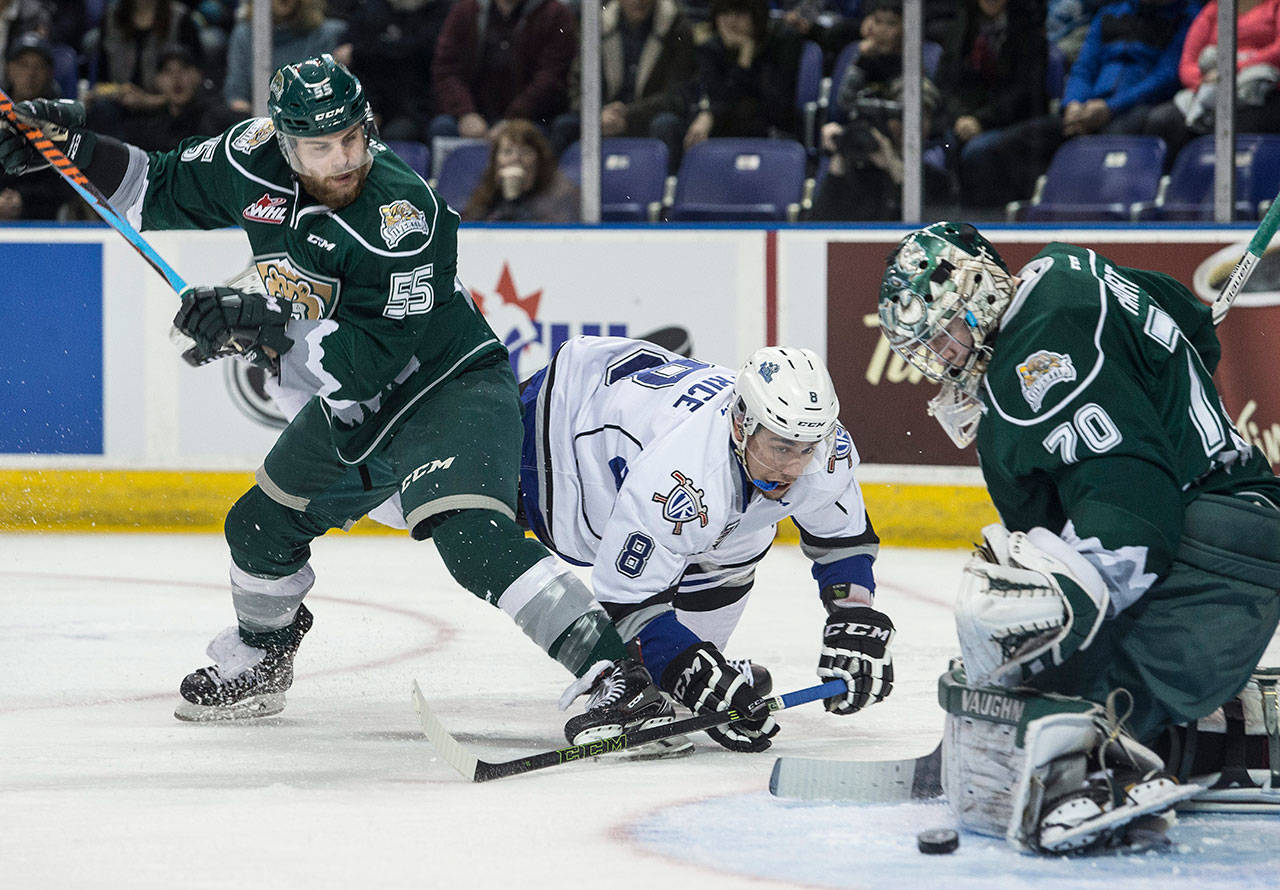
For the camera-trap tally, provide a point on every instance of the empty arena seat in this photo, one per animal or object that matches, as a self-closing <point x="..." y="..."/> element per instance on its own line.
<point x="416" y="154"/>
<point x="633" y="174"/>
<point x="461" y="171"/>
<point x="1096" y="178"/>
<point x="740" y="179"/>
<point x="1187" y="192"/>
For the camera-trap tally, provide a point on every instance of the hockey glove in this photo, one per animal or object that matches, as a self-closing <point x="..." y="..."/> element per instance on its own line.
<point x="855" y="648"/>
<point x="59" y="119"/>
<point x="701" y="680"/>
<point x="226" y="321"/>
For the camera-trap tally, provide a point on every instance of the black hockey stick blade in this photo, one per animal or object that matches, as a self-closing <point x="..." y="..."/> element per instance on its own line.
<point x="477" y="770"/>
<point x="858" y="781"/>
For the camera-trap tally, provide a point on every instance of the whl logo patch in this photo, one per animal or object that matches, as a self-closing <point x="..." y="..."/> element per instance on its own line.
<point x="682" y="504"/>
<point x="267" y="209"/>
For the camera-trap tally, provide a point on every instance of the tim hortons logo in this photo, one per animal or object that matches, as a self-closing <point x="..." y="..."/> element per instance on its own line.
<point x="312" y="296"/>
<point x="267" y="210"/>
<point x="682" y="504"/>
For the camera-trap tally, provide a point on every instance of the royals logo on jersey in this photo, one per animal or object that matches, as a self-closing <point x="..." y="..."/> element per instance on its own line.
<point x="399" y="218"/>
<point x="1041" y="370"/>
<point x="254" y="136"/>
<point x="841" y="450"/>
<point x="313" y="296"/>
<point x="682" y="504"/>
<point x="267" y="210"/>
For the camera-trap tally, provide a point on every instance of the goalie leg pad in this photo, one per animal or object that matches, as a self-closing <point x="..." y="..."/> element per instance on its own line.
<point x="1027" y="601"/>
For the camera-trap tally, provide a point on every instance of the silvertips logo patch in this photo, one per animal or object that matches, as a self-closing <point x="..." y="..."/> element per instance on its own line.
<point x="399" y="218"/>
<point x="1041" y="370"/>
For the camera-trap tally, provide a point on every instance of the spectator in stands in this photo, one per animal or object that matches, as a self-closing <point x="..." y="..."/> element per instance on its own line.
<point x="647" y="69"/>
<point x="28" y="74"/>
<point x="992" y="76"/>
<point x="1127" y="66"/>
<point x="391" y="44"/>
<point x="1191" y="112"/>
<point x="19" y="17"/>
<point x="300" y="30"/>
<point x="126" y="54"/>
<point x="521" y="182"/>
<point x="865" y="168"/>
<point x="191" y="108"/>
<point x="747" y="75"/>
<point x="502" y="59"/>
<point x="1067" y="23"/>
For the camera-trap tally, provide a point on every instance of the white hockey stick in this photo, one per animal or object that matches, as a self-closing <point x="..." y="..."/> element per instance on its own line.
<point x="1243" y="269"/>
<point x="859" y="781"/>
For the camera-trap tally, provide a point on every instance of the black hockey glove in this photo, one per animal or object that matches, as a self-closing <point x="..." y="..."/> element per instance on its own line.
<point x="225" y="321"/>
<point x="855" y="648"/>
<point x="59" y="119"/>
<point x="701" y="680"/>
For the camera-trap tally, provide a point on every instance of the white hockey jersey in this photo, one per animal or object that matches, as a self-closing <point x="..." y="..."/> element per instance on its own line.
<point x="629" y="467"/>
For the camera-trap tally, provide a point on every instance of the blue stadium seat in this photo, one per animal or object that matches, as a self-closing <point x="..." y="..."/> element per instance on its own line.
<point x="460" y="173"/>
<point x="1096" y="178"/>
<point x="740" y="179"/>
<point x="808" y="92"/>
<point x="416" y="154"/>
<point x="633" y="176"/>
<point x="1187" y="193"/>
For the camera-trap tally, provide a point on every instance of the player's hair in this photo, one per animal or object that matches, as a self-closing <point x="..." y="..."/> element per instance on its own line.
<point x="757" y="9"/>
<point x="521" y="132"/>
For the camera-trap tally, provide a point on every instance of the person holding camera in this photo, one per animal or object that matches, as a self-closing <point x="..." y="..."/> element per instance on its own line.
<point x="864" y="174"/>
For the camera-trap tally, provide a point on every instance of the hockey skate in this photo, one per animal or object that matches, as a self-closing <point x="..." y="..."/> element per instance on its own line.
<point x="245" y="680"/>
<point x="621" y="699"/>
<point x="1087" y="820"/>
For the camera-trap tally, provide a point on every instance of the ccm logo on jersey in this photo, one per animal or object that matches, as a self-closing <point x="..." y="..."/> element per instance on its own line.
<point x="1041" y="370"/>
<point x="682" y="504"/>
<point x="426" y="469"/>
<point x="267" y="210"/>
<point x="320" y="242"/>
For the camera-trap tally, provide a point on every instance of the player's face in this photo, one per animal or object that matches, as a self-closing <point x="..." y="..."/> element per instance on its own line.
<point x="333" y="168"/>
<point x="953" y="344"/>
<point x="777" y="461"/>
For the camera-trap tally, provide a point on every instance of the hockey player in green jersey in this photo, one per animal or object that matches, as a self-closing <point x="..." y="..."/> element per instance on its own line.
<point x="1137" y="566"/>
<point x="400" y="387"/>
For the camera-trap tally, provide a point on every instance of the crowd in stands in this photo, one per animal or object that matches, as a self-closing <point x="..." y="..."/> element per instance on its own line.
<point x="1006" y="83"/>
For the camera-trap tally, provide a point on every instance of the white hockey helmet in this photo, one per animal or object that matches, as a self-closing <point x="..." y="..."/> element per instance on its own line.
<point x="786" y="390"/>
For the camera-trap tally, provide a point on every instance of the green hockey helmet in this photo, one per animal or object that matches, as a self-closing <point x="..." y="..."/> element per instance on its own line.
<point x="316" y="97"/>
<point x="941" y="299"/>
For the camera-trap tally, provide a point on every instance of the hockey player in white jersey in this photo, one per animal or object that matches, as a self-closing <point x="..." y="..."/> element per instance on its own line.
<point x="668" y="475"/>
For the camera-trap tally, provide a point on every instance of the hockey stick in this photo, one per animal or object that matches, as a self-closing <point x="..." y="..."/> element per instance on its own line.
<point x="1244" y="268"/>
<point x="859" y="781"/>
<point x="92" y="196"/>
<point x="478" y="770"/>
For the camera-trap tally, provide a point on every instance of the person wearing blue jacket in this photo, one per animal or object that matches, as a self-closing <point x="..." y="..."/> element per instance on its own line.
<point x="1127" y="66"/>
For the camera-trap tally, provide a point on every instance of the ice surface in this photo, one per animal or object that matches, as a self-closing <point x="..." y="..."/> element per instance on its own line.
<point x="101" y="787"/>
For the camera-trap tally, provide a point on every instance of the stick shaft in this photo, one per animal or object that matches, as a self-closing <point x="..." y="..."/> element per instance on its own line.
<point x="92" y="196"/>
<point x="1243" y="269"/>
<point x="482" y="771"/>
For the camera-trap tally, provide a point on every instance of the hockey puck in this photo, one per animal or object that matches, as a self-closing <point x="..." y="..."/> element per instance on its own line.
<point x="938" y="840"/>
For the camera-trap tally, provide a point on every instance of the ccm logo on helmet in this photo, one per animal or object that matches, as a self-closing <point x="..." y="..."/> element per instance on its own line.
<point x="325" y="115"/>
<point x="810" y="423"/>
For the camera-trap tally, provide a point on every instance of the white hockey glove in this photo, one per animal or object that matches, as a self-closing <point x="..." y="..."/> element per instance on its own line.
<point x="1027" y="601"/>
<point x="701" y="680"/>
<point x="855" y="648"/>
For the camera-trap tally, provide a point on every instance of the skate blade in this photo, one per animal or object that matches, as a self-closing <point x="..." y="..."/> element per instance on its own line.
<point x="662" y="749"/>
<point x="265" y="705"/>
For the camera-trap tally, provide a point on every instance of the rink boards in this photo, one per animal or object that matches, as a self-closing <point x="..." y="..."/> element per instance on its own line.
<point x="102" y="426"/>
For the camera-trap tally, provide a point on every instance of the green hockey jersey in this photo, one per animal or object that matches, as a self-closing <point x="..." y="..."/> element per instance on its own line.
<point x="380" y="317"/>
<point x="1101" y="408"/>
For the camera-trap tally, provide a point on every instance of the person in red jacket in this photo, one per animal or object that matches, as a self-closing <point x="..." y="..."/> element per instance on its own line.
<point x="500" y="59"/>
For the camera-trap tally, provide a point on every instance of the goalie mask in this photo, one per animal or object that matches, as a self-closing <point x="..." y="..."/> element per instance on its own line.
<point x="784" y="406"/>
<point x="941" y="299"/>
<point x="316" y="106"/>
